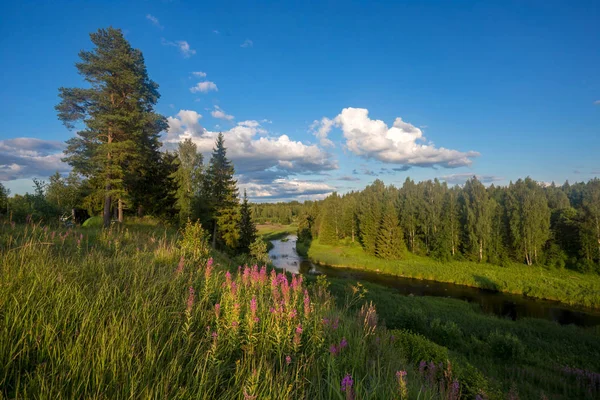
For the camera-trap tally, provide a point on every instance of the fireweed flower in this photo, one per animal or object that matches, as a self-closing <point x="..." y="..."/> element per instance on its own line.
<point x="454" y="390"/>
<point x="343" y="343"/>
<point x="190" y="300"/>
<point x="253" y="305"/>
<point x="208" y="270"/>
<point x="217" y="310"/>
<point x="228" y="278"/>
<point x="180" y="266"/>
<point x="306" y="303"/>
<point x="288" y="360"/>
<point x="333" y="350"/>
<point x="347" y="383"/>
<point x="297" y="335"/>
<point x="401" y="377"/>
<point x="294" y="283"/>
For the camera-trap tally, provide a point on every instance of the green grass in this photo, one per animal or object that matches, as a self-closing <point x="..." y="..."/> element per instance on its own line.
<point x="270" y="232"/>
<point x="561" y="285"/>
<point x="99" y="314"/>
<point x="530" y="354"/>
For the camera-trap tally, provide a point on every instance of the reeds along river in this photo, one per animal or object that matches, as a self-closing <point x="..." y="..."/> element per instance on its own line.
<point x="508" y="305"/>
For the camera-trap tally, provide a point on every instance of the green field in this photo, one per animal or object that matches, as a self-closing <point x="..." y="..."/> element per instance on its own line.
<point x="561" y="285"/>
<point x="126" y="313"/>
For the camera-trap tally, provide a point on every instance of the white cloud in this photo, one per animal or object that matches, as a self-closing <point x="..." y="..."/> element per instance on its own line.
<point x="216" y="32"/>
<point x="250" y="147"/>
<point x="204" y="87"/>
<point x="30" y="157"/>
<point x="154" y="21"/>
<point x="597" y="102"/>
<point x="219" y="113"/>
<point x="266" y="121"/>
<point x="199" y="74"/>
<point x="321" y="129"/>
<point x="397" y="144"/>
<point x="183" y="46"/>
<point x="285" y="188"/>
<point x="459" y="179"/>
<point x="247" y="43"/>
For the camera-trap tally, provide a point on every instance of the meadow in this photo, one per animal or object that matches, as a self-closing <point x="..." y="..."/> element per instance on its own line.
<point x="146" y="311"/>
<point x="562" y="285"/>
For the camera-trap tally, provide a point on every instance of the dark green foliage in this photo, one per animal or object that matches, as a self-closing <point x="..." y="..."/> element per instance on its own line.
<point x="119" y="139"/>
<point x="4" y="193"/>
<point x="247" y="226"/>
<point x="219" y="195"/>
<point x="390" y="243"/>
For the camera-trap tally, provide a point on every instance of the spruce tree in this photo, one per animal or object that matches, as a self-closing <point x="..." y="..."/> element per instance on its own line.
<point x="390" y="242"/>
<point x="247" y="227"/>
<point x="221" y="193"/>
<point x="369" y="216"/>
<point x="116" y="110"/>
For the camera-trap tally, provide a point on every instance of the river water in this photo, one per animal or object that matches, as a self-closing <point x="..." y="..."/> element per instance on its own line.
<point x="284" y="256"/>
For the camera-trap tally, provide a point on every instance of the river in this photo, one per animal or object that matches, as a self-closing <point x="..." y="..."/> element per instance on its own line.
<point x="284" y="256"/>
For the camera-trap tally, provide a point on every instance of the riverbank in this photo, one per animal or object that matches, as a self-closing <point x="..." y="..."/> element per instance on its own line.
<point x="565" y="286"/>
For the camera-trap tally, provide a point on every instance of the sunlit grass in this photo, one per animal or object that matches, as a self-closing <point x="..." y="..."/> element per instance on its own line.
<point x="562" y="285"/>
<point x="119" y="314"/>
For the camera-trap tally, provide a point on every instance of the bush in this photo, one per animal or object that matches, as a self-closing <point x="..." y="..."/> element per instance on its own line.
<point x="417" y="348"/>
<point x="446" y="333"/>
<point x="505" y="346"/>
<point x="194" y="242"/>
<point x="259" y="253"/>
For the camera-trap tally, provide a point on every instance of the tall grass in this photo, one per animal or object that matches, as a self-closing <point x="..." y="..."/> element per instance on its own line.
<point x="121" y="314"/>
<point x="566" y="286"/>
<point x="532" y="355"/>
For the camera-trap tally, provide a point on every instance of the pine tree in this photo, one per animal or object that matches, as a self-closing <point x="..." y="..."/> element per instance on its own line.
<point x="330" y="219"/>
<point x="220" y="193"/>
<point x="247" y="227"/>
<point x="409" y="212"/>
<point x="115" y="110"/>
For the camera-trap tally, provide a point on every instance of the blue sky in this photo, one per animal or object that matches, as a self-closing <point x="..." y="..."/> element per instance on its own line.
<point x="309" y="95"/>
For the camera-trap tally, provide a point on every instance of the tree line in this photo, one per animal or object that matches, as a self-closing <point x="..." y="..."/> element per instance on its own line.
<point x="524" y="222"/>
<point x="118" y="167"/>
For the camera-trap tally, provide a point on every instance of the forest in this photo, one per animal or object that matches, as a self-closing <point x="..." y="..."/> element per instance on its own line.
<point x="524" y="222"/>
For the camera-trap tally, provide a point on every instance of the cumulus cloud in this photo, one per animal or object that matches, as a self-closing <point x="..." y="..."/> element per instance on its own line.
<point x="30" y="157"/>
<point x="251" y="148"/>
<point x="183" y="46"/>
<point x="321" y="129"/>
<point x="459" y="179"/>
<point x="402" y="143"/>
<point x="285" y="189"/>
<point x="247" y="43"/>
<point x="154" y="21"/>
<point x="219" y="113"/>
<point x="204" y="87"/>
<point x="199" y="74"/>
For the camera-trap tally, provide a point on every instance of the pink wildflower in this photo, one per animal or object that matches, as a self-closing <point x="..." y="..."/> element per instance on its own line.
<point x="180" y="266"/>
<point x="217" y="310"/>
<point x="190" y="300"/>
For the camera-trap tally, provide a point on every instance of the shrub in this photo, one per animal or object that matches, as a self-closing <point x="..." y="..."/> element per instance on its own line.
<point x="505" y="345"/>
<point x="194" y="242"/>
<point x="446" y="333"/>
<point x="417" y="348"/>
<point x="259" y="253"/>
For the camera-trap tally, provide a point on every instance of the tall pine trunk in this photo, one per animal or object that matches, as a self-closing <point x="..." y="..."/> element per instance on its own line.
<point x="107" y="196"/>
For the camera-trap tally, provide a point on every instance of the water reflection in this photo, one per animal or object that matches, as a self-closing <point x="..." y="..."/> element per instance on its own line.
<point x="284" y="256"/>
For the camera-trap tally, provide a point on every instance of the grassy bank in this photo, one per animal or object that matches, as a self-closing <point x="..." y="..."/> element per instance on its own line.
<point x="121" y="313"/>
<point x="561" y="285"/>
<point x="270" y="232"/>
<point x="536" y="358"/>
